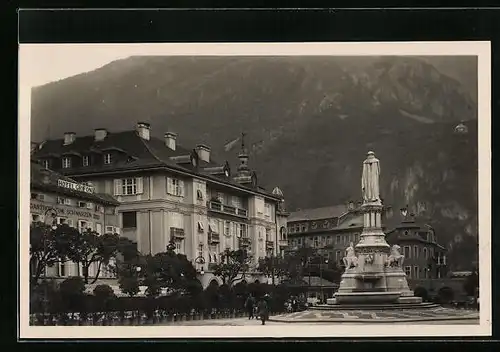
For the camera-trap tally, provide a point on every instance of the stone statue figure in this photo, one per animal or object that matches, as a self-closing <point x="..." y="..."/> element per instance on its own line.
<point x="350" y="260"/>
<point x="370" y="178"/>
<point x="369" y="259"/>
<point x="396" y="258"/>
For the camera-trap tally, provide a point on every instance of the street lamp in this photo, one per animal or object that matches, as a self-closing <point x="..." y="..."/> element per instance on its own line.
<point x="200" y="260"/>
<point x="321" y="275"/>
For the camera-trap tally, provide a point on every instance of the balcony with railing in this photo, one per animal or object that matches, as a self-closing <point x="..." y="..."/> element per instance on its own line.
<point x="245" y="242"/>
<point x="227" y="209"/>
<point x="213" y="237"/>
<point x="177" y="233"/>
<point x="283" y="243"/>
<point x="269" y="244"/>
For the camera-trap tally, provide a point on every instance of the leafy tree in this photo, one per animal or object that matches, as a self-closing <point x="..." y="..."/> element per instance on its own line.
<point x="129" y="284"/>
<point x="88" y="247"/>
<point x="233" y="263"/>
<point x="46" y="248"/>
<point x="128" y="261"/>
<point x="273" y="267"/>
<point x="170" y="270"/>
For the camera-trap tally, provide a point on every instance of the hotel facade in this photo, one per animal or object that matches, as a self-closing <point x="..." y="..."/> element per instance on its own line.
<point x="170" y="194"/>
<point x="57" y="199"/>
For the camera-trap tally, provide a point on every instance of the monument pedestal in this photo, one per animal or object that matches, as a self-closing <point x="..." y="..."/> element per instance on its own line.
<point x="374" y="273"/>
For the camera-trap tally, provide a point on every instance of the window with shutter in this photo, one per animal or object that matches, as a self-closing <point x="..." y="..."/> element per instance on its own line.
<point x="181" y="188"/>
<point x="118" y="187"/>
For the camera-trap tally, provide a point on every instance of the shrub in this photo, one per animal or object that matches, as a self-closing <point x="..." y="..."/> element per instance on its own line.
<point x="103" y="295"/>
<point x="72" y="294"/>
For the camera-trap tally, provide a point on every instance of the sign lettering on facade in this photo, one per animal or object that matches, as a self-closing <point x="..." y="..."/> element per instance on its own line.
<point x="64" y="211"/>
<point x="75" y="186"/>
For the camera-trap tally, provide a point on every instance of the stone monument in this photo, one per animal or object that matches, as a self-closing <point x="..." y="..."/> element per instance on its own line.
<point x="373" y="270"/>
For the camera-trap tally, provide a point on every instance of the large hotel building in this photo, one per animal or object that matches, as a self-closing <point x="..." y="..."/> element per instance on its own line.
<point x="168" y="193"/>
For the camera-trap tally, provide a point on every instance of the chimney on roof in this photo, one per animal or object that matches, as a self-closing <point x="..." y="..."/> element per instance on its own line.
<point x="69" y="137"/>
<point x="203" y="152"/>
<point x="100" y="134"/>
<point x="170" y="138"/>
<point x="143" y="130"/>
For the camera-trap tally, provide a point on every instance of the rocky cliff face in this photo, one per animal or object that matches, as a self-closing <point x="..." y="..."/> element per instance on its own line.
<point x="309" y="121"/>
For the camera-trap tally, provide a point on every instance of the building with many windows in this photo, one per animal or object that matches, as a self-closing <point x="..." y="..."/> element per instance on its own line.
<point x="57" y="199"/>
<point x="328" y="229"/>
<point x="425" y="258"/>
<point x="168" y="193"/>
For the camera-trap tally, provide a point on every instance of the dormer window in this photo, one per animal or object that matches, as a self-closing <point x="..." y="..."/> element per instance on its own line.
<point x="85" y="160"/>
<point x="66" y="162"/>
<point x="46" y="164"/>
<point x="107" y="159"/>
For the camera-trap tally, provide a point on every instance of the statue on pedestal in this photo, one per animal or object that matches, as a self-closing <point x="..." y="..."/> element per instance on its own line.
<point x="370" y="178"/>
<point x="350" y="260"/>
<point x="396" y="258"/>
<point x="369" y="259"/>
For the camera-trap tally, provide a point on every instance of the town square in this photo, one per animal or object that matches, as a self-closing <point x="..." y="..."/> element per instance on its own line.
<point x="170" y="190"/>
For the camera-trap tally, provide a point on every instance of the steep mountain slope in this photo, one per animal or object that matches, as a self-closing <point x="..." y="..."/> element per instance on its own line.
<point x="309" y="121"/>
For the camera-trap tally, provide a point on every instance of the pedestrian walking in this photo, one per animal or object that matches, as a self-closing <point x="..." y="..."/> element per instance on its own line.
<point x="263" y="309"/>
<point x="250" y="306"/>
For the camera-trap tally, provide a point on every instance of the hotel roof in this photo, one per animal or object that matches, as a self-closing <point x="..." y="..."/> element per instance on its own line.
<point x="142" y="155"/>
<point x="47" y="180"/>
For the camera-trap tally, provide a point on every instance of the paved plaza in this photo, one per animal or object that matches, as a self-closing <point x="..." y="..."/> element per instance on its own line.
<point x="377" y="316"/>
<point x="256" y="323"/>
<point x="437" y="316"/>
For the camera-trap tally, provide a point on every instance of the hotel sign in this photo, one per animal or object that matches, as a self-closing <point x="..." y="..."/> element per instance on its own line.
<point x="64" y="211"/>
<point x="75" y="186"/>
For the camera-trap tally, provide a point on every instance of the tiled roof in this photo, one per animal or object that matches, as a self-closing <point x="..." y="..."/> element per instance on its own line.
<point x="318" y="213"/>
<point x="145" y="154"/>
<point x="42" y="178"/>
<point x="355" y="221"/>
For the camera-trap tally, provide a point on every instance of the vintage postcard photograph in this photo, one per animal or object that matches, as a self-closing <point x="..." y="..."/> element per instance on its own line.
<point x="273" y="190"/>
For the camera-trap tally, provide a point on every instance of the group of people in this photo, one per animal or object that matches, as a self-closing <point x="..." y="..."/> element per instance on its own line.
<point x="292" y="304"/>
<point x="258" y="310"/>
